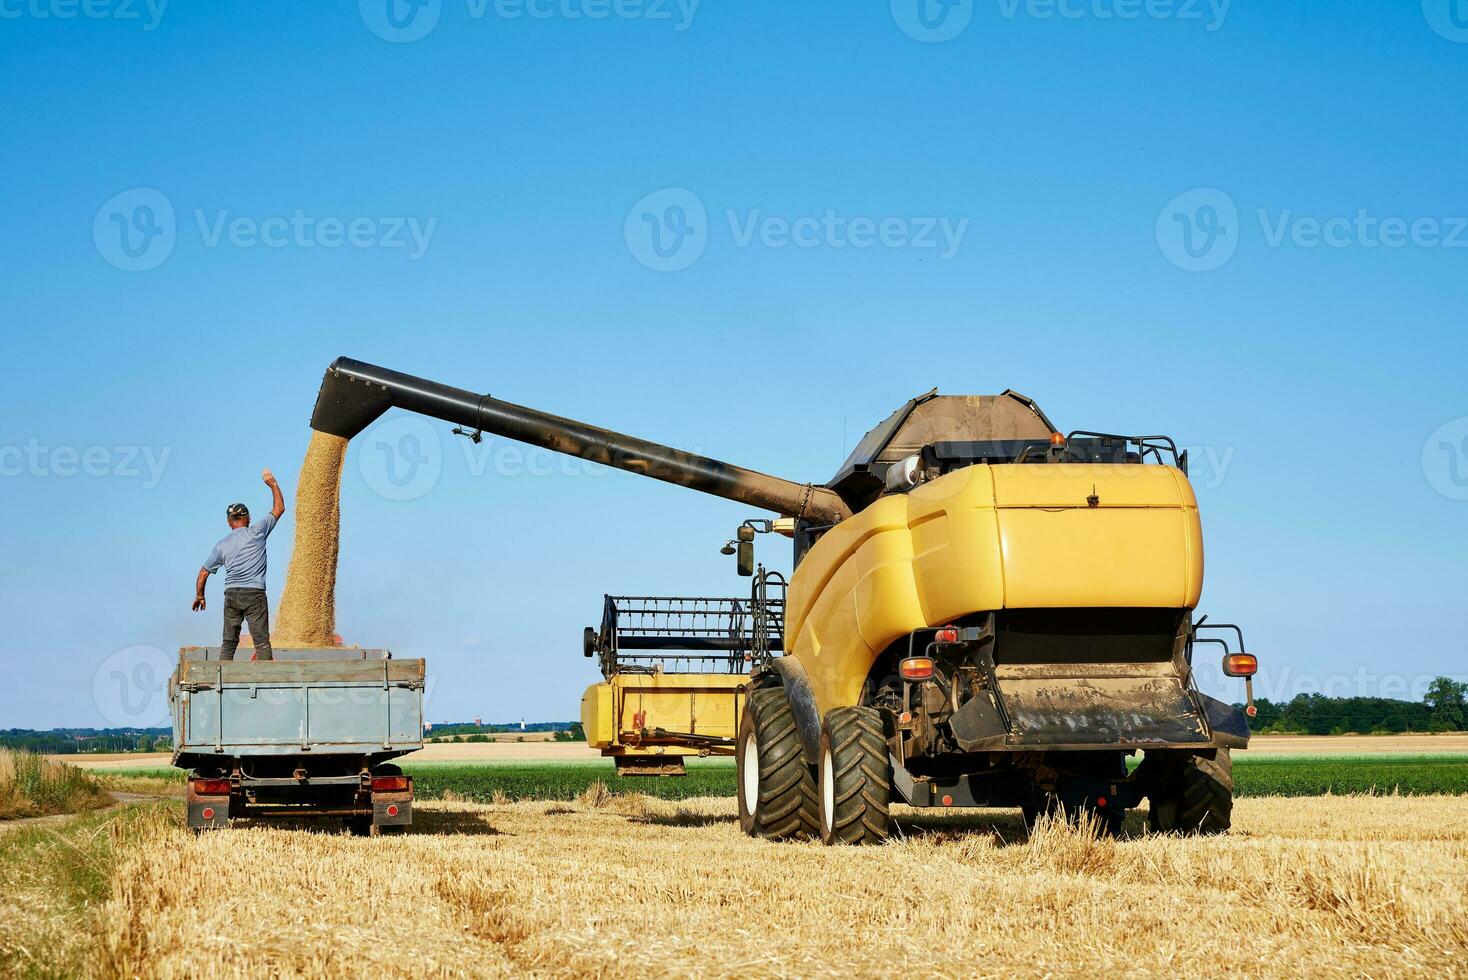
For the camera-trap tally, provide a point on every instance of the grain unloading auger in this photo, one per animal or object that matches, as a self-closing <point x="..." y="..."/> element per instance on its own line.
<point x="983" y="612"/>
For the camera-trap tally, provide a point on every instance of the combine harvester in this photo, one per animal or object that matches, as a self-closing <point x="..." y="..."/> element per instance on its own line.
<point x="983" y="612"/>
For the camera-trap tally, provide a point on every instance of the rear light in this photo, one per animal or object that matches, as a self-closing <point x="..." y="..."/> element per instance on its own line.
<point x="946" y="635"/>
<point x="208" y="813"/>
<point x="390" y="784"/>
<point x="1240" y="665"/>
<point x="916" y="668"/>
<point x="392" y="810"/>
<point x="211" y="787"/>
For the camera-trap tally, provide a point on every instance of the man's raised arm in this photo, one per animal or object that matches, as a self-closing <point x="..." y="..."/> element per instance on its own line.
<point x="277" y="505"/>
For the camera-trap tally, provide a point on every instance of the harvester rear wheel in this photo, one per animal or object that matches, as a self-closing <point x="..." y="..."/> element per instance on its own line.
<point x="777" y="793"/>
<point x="1194" y="795"/>
<point x="856" y="777"/>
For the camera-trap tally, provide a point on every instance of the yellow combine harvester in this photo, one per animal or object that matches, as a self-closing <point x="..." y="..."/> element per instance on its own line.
<point x="984" y="612"/>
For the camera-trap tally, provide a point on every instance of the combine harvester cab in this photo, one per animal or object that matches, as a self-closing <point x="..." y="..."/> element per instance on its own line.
<point x="677" y="670"/>
<point x="984" y="611"/>
<point x="306" y="735"/>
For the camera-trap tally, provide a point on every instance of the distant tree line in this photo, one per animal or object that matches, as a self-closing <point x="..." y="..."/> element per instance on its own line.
<point x="1442" y="710"/>
<point x="469" y="728"/>
<point x="571" y="731"/>
<point x="70" y="741"/>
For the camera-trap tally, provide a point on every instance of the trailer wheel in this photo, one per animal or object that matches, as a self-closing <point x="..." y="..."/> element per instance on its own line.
<point x="856" y="777"/>
<point x="777" y="793"/>
<point x="1194" y="795"/>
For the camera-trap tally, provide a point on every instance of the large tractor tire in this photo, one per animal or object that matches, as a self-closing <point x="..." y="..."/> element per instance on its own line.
<point x="856" y="777"/>
<point x="1194" y="795"/>
<point x="777" y="792"/>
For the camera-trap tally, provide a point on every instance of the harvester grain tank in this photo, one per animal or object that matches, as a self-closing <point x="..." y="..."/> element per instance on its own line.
<point x="983" y="612"/>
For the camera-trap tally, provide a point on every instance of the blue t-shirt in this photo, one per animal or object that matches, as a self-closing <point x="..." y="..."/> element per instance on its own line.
<point x="242" y="553"/>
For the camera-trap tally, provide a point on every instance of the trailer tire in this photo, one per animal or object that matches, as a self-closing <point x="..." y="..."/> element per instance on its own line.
<point x="1194" y="795"/>
<point x="777" y="792"/>
<point x="855" y="777"/>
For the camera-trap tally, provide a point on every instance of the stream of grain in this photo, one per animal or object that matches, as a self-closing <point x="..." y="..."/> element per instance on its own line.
<point x="307" y="616"/>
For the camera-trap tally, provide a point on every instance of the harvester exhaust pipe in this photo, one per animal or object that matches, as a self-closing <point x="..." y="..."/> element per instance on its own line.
<point x="353" y="395"/>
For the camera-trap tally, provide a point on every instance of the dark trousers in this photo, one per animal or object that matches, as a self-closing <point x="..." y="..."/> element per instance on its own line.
<point x="249" y="605"/>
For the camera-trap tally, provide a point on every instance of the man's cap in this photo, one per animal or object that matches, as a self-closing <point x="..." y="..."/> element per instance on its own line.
<point x="236" y="510"/>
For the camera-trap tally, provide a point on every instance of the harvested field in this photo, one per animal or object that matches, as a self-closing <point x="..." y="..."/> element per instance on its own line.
<point x="307" y="616"/>
<point x="483" y="781"/>
<point x="628" y="885"/>
<point x="1357" y="744"/>
<point x="538" y="751"/>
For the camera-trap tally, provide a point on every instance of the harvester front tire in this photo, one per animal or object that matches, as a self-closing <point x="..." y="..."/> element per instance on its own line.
<point x="777" y="792"/>
<point x="855" y="778"/>
<point x="1193" y="796"/>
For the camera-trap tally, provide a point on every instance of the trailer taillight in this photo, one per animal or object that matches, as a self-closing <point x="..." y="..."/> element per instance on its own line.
<point x="1241" y="665"/>
<point x="916" y="668"/>
<point x="211" y="787"/>
<point x="389" y="784"/>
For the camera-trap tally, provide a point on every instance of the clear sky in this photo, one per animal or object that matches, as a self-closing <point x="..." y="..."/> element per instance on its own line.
<point x="750" y="229"/>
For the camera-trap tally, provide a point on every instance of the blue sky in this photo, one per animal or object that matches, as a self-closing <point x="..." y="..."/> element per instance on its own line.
<point x="747" y="229"/>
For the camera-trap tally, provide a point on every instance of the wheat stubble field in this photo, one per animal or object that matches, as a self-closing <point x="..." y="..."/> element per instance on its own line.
<point x="630" y="885"/>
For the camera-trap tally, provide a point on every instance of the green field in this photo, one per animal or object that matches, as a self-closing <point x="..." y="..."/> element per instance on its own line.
<point x="1258" y="776"/>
